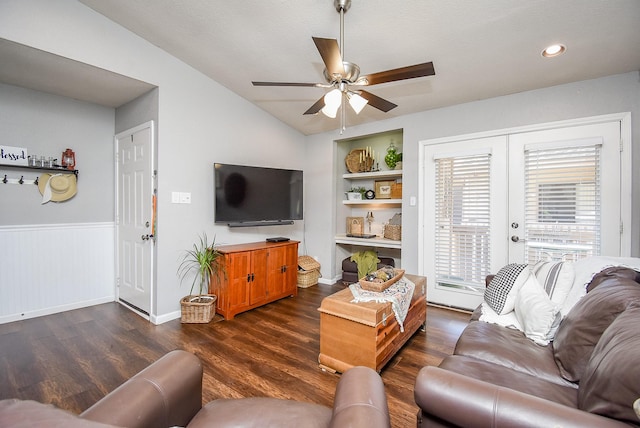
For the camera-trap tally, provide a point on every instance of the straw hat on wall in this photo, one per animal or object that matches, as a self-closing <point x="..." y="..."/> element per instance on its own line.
<point x="57" y="187"/>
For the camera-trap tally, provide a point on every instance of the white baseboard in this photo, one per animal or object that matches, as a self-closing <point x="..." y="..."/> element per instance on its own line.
<point x="161" y="319"/>
<point x="55" y="310"/>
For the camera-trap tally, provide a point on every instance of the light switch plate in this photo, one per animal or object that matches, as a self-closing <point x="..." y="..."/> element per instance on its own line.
<point x="175" y="197"/>
<point x="185" y="198"/>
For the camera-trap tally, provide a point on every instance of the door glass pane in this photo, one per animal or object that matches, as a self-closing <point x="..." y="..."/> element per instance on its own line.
<point x="562" y="204"/>
<point x="462" y="221"/>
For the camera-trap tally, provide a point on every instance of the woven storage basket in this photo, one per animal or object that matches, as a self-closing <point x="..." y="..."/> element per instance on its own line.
<point x="197" y="313"/>
<point x="393" y="231"/>
<point x="308" y="271"/>
<point x="381" y="286"/>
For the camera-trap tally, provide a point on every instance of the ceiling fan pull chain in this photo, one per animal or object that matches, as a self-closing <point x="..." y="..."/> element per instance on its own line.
<point x="342" y="33"/>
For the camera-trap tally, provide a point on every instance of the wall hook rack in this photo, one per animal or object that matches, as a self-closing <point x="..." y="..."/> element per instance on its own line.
<point x="37" y="169"/>
<point x="20" y="180"/>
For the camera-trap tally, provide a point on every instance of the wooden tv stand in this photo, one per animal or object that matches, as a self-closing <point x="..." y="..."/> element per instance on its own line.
<point x="254" y="274"/>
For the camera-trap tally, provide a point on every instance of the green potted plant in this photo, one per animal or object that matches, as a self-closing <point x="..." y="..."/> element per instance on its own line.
<point x="202" y="263"/>
<point x="356" y="193"/>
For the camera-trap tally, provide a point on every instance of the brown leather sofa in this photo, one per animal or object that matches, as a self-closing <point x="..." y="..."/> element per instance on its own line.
<point x="589" y="376"/>
<point x="169" y="393"/>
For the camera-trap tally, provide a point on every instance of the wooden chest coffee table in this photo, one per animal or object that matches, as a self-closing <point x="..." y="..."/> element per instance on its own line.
<point x="366" y="333"/>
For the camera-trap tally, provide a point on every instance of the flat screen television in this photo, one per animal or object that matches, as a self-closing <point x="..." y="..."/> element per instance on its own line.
<point x="257" y="196"/>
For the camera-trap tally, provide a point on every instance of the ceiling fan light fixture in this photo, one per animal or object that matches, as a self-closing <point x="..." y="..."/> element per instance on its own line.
<point x="554" y="50"/>
<point x="356" y="102"/>
<point x="332" y="101"/>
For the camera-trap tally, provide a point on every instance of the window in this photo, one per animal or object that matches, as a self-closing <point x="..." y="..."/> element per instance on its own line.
<point x="462" y="208"/>
<point x="562" y="203"/>
<point x="557" y="203"/>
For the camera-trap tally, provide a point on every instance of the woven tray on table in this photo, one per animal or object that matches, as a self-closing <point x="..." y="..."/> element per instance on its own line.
<point x="308" y="271"/>
<point x="381" y="286"/>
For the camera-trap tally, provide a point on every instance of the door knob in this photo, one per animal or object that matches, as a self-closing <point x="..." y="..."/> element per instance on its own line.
<point x="515" y="238"/>
<point x="145" y="237"/>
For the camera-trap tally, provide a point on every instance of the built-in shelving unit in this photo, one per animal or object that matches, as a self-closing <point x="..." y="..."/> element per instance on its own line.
<point x="382" y="209"/>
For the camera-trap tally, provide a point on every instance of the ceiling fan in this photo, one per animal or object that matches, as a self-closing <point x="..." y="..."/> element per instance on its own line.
<point x="343" y="76"/>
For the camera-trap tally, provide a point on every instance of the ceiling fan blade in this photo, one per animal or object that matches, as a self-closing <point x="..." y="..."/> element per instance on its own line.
<point x="313" y="85"/>
<point x="377" y="102"/>
<point x="330" y="53"/>
<point x="316" y="107"/>
<point x="410" y="72"/>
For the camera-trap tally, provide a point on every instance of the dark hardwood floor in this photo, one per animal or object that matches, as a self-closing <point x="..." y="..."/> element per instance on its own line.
<point x="73" y="359"/>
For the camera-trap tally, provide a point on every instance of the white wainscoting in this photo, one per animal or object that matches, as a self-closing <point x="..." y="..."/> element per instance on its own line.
<point x="45" y="269"/>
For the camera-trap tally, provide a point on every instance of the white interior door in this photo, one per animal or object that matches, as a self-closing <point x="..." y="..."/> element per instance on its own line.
<point x="134" y="220"/>
<point x="558" y="216"/>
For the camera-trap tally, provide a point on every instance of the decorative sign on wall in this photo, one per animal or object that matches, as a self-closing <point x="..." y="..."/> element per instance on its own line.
<point x="13" y="156"/>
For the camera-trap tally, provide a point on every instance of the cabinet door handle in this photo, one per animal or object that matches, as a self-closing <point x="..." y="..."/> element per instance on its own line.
<point x="284" y="269"/>
<point x="253" y="277"/>
<point x="248" y="277"/>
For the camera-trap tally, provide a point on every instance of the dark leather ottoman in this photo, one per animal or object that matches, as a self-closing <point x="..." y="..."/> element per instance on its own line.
<point x="350" y="269"/>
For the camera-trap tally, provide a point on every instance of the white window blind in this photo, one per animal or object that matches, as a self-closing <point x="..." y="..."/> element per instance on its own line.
<point x="462" y="205"/>
<point x="562" y="203"/>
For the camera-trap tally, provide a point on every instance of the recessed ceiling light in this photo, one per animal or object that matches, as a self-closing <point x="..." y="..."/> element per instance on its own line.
<point x="553" y="50"/>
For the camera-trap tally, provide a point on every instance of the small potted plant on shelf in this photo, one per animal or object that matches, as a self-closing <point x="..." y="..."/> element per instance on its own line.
<point x="201" y="262"/>
<point x="356" y="193"/>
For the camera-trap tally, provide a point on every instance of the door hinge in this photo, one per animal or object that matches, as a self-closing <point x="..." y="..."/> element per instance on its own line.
<point x="621" y="145"/>
<point x="621" y="228"/>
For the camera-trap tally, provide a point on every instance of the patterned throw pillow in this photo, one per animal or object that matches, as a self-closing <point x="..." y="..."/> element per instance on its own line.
<point x="556" y="278"/>
<point x="501" y="292"/>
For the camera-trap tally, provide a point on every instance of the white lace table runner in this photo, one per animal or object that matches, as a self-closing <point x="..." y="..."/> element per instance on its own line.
<point x="398" y="294"/>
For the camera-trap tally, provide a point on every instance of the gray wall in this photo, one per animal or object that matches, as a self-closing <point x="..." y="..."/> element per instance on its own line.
<point x="613" y="94"/>
<point x="199" y="122"/>
<point x="46" y="125"/>
<point x="139" y="111"/>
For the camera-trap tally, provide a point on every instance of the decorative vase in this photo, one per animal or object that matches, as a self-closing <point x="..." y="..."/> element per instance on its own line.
<point x="391" y="157"/>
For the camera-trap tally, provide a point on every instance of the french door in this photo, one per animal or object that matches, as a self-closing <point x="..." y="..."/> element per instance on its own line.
<point x="519" y="197"/>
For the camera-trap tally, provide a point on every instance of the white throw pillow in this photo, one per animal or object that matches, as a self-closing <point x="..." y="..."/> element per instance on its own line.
<point x="537" y="314"/>
<point x="556" y="278"/>
<point x="501" y="292"/>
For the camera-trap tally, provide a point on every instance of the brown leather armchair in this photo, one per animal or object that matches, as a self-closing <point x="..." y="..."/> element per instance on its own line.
<point x="169" y="393"/>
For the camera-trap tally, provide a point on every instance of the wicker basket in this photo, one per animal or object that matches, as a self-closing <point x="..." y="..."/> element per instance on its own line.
<point x="195" y="312"/>
<point x="308" y="271"/>
<point x="393" y="231"/>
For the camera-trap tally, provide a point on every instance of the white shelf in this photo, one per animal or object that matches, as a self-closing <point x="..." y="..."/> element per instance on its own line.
<point x="395" y="173"/>
<point x="373" y="202"/>
<point x="378" y="241"/>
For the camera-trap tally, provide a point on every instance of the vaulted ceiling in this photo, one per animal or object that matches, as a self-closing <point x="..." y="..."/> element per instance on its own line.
<point x="480" y="49"/>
